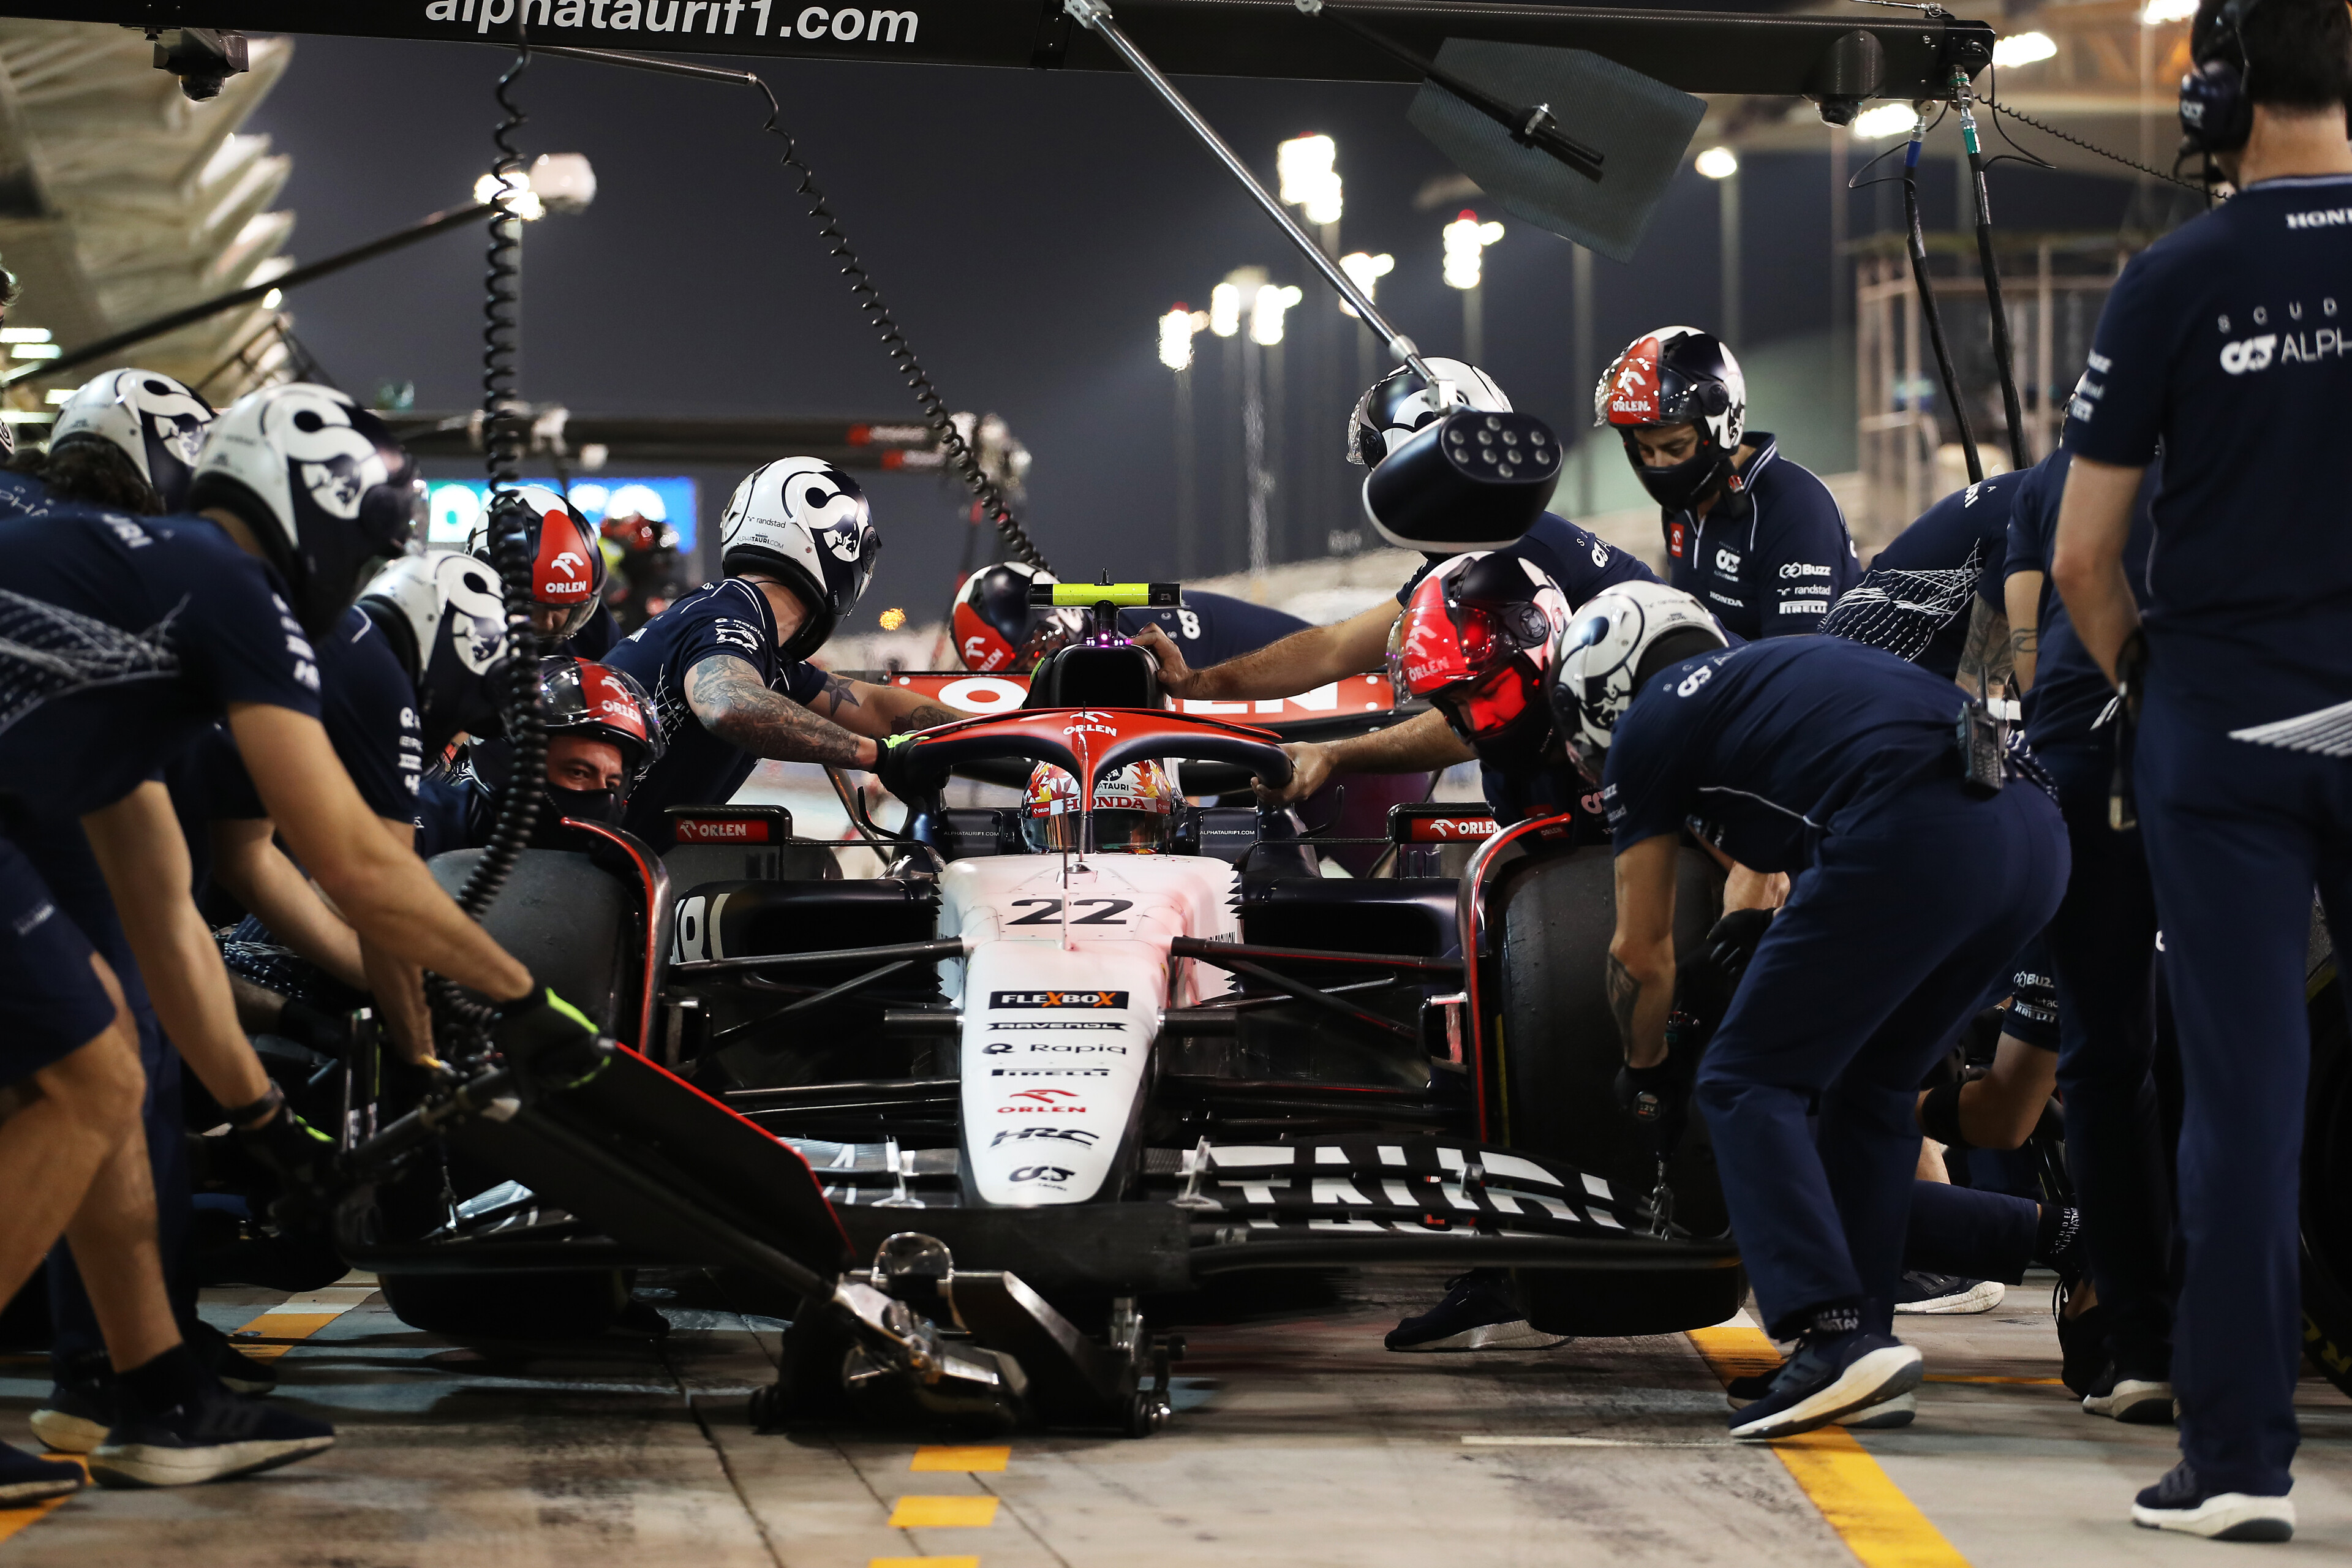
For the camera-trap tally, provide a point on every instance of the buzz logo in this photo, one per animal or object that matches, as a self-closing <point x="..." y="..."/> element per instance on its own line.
<point x="2248" y="354"/>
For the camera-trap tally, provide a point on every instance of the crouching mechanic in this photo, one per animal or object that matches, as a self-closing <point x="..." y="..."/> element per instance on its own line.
<point x="129" y="638"/>
<point x="601" y="738"/>
<point x="1757" y="539"/>
<point x="726" y="664"/>
<point x="1842" y="767"/>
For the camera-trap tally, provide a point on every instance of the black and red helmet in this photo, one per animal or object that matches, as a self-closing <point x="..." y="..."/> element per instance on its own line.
<point x="1676" y="375"/>
<point x="1476" y="639"/>
<point x="997" y="630"/>
<point x="580" y="697"/>
<point x="567" y="566"/>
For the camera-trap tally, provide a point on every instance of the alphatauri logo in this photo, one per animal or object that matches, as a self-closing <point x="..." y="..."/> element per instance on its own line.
<point x="2248" y="354"/>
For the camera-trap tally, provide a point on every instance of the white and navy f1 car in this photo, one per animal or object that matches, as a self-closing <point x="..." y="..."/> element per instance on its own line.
<point x="1033" y="1087"/>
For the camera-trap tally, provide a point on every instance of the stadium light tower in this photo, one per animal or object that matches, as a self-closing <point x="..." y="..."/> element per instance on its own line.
<point x="1467" y="240"/>
<point x="1722" y="166"/>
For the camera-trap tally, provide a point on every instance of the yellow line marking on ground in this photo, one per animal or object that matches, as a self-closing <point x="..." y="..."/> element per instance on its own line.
<point x="297" y="1318"/>
<point x="959" y="1457"/>
<point x="1480" y="1440"/>
<point x="13" y="1520"/>
<point x="922" y="1562"/>
<point x="1881" y="1526"/>
<point x="971" y="1512"/>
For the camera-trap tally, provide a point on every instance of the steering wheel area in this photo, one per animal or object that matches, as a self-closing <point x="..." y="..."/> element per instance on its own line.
<point x="1092" y="742"/>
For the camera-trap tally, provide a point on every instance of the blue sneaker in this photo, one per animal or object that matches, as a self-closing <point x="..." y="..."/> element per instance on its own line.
<point x="1832" y="1375"/>
<point x="208" y="1437"/>
<point x="1478" y="1314"/>
<point x="2177" y="1502"/>
<point x="26" y="1480"/>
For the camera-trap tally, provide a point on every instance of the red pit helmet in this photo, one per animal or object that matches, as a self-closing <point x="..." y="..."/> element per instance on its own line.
<point x="998" y="630"/>
<point x="567" y="568"/>
<point x="1676" y="375"/>
<point x="1476" y="639"/>
<point x="1134" y="810"/>
<point x="580" y="697"/>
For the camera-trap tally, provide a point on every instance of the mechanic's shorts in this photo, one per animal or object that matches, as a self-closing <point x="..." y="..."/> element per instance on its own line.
<point x="51" y="1003"/>
<point x="2032" y="1016"/>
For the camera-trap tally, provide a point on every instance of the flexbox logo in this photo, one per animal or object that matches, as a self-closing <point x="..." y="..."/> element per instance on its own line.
<point x="2248" y="355"/>
<point x="1057" y="999"/>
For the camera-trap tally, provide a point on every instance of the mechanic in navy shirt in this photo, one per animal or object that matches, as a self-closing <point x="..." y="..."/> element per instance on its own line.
<point x="139" y="635"/>
<point x="1835" y="764"/>
<point x="2102" y="948"/>
<point x="2229" y="342"/>
<point x="1757" y="539"/>
<point x="725" y="665"/>
<point x="1934" y="594"/>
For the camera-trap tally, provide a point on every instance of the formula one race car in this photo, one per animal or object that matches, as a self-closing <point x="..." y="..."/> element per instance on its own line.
<point x="1035" y="1085"/>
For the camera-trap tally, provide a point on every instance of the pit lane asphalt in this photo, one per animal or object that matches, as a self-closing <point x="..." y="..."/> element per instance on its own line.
<point x="1299" y="1441"/>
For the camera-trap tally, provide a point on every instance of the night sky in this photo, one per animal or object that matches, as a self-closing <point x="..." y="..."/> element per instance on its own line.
<point x="1027" y="227"/>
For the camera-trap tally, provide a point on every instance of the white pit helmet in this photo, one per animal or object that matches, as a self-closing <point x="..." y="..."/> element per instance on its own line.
<point x="1612" y="644"/>
<point x="446" y="615"/>
<point x="153" y="420"/>
<point x="806" y="524"/>
<point x="1401" y="403"/>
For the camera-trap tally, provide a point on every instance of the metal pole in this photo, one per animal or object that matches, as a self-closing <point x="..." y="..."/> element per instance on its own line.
<point x="1586" y="374"/>
<point x="1280" y="513"/>
<point x="1233" y="506"/>
<point x="1728" y="221"/>
<point x="1256" y="482"/>
<point x="1188" y="521"/>
<point x="1096" y="17"/>
<point x="1842" y="342"/>
<point x="1474" y="325"/>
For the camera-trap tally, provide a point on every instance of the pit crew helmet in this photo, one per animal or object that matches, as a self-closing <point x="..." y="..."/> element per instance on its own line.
<point x="567" y="561"/>
<point x="328" y="492"/>
<point x="156" y="422"/>
<point x="1134" y="810"/>
<point x="1476" y="638"/>
<point x="580" y="697"/>
<point x="1614" y="644"/>
<point x="1401" y="403"/>
<point x="1676" y="375"/>
<point x="807" y="523"/>
<point x="447" y="619"/>
<point x="997" y="629"/>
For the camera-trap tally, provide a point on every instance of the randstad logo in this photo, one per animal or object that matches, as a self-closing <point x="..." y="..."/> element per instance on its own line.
<point x="717" y="18"/>
<point x="2248" y="354"/>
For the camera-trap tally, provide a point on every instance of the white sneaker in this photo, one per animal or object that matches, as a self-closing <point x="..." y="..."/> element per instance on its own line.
<point x="2176" y="1503"/>
<point x="1946" y="1293"/>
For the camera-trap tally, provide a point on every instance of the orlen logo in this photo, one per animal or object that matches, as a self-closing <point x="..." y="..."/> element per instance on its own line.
<point x="2248" y="355"/>
<point x="1675" y="541"/>
<point x="1057" y="999"/>
<point x="719" y="830"/>
<point x="1085" y="721"/>
<point x="1633" y="392"/>
<point x="1449" y="829"/>
<point x="1042" y="1103"/>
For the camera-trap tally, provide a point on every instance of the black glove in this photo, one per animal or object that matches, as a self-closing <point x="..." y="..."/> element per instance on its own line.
<point x="1654" y="1097"/>
<point x="550" y="1037"/>
<point x="301" y="1161"/>
<point x="893" y="765"/>
<point x="1732" y="942"/>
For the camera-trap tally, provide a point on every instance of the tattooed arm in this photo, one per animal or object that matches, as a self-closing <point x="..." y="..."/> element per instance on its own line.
<point x="1984" y="661"/>
<point x="733" y="703"/>
<point x="1642" y="953"/>
<point x="2024" y="593"/>
<point x="878" y="711"/>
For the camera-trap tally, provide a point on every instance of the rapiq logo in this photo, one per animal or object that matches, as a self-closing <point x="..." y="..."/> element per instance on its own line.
<point x="1057" y="999"/>
<point x="713" y="18"/>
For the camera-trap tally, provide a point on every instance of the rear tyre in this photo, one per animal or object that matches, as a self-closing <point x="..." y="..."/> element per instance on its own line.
<point x="1559" y="1055"/>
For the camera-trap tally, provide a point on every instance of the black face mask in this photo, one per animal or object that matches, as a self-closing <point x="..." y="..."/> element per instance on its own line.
<point x="581" y="805"/>
<point x="1680" y="486"/>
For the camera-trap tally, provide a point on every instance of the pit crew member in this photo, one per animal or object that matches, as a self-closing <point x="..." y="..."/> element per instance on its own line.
<point x="601" y="738"/>
<point x="1836" y="764"/>
<point x="997" y="629"/>
<point x="567" y="572"/>
<point x="1758" y="539"/>
<point x="131" y="636"/>
<point x="725" y="665"/>
<point x="2221" y="342"/>
<point x="1580" y="564"/>
<point x="1934" y="594"/>
<point x="127" y="440"/>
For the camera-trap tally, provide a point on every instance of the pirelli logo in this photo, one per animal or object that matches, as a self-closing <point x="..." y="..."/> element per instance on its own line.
<point x="1057" y="999"/>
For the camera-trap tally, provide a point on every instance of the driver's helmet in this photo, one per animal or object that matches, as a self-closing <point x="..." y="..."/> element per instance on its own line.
<point x="1134" y="810"/>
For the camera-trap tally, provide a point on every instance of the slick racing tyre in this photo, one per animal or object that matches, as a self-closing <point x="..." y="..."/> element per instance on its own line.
<point x="2328" y="1183"/>
<point x="1551" y="919"/>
